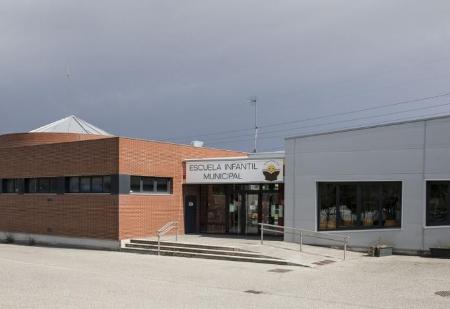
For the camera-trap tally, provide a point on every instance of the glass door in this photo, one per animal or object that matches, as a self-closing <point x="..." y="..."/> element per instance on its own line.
<point x="252" y="209"/>
<point x="272" y="208"/>
<point x="235" y="213"/>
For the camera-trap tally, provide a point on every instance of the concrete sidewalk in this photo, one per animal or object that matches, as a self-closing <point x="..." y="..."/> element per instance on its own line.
<point x="39" y="277"/>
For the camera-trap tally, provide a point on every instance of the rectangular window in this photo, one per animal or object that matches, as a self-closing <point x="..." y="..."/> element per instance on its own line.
<point x="438" y="203"/>
<point x="88" y="184"/>
<point x="41" y="185"/>
<point x="10" y="186"/>
<point x="150" y="185"/>
<point x="97" y="184"/>
<point x="85" y="184"/>
<point x="135" y="184"/>
<point x="74" y="184"/>
<point x="162" y="185"/>
<point x="31" y="185"/>
<point x="359" y="205"/>
<point x="107" y="184"/>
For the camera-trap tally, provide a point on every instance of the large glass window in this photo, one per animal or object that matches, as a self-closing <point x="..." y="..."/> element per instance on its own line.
<point x="150" y="185"/>
<point x="347" y="214"/>
<point x="359" y="205"/>
<point x="327" y="206"/>
<point x="438" y="203"/>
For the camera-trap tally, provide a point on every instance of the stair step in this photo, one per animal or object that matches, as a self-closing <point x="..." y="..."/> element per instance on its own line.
<point x="213" y="256"/>
<point x="197" y="250"/>
<point x="186" y="245"/>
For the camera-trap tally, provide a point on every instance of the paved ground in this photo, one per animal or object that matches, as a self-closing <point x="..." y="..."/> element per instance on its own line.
<point x="36" y="277"/>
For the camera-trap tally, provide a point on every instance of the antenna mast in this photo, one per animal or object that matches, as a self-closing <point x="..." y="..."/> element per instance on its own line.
<point x="254" y="102"/>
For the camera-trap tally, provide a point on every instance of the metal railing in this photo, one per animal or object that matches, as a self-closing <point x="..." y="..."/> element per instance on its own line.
<point x="303" y="233"/>
<point x="166" y="229"/>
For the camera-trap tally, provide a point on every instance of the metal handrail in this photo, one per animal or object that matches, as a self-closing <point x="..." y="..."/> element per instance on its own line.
<point x="166" y="228"/>
<point x="286" y="229"/>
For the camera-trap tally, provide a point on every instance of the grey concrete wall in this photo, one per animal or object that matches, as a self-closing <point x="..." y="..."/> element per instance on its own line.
<point x="411" y="152"/>
<point x="60" y="241"/>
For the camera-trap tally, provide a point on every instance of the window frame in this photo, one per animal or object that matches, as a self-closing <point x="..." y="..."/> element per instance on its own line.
<point x="359" y="184"/>
<point x="168" y="181"/>
<point x="68" y="190"/>
<point x="428" y="183"/>
<point x="52" y="185"/>
<point x="15" y="185"/>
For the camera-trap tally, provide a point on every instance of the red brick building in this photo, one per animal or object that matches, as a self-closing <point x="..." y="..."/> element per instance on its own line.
<point x="89" y="188"/>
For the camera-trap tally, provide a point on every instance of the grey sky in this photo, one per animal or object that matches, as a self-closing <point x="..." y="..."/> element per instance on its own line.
<point x="166" y="69"/>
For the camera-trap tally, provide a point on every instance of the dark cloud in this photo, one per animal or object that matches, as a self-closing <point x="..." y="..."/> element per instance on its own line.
<point x="170" y="69"/>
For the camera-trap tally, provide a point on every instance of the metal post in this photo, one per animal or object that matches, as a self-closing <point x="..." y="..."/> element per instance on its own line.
<point x="301" y="241"/>
<point x="176" y="233"/>
<point x="262" y="234"/>
<point x="345" y="249"/>
<point x="159" y="245"/>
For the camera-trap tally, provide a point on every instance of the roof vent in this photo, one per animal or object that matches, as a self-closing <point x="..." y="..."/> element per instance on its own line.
<point x="197" y="143"/>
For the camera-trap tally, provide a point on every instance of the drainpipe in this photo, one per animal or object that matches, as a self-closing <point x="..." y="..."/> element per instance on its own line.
<point x="424" y="190"/>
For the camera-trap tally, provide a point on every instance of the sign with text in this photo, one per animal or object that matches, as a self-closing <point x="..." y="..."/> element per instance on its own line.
<point x="235" y="171"/>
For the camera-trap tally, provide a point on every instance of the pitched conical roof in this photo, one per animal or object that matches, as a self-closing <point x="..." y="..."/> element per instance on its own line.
<point x="71" y="124"/>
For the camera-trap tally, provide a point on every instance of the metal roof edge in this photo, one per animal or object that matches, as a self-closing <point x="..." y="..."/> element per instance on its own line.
<point x="385" y="124"/>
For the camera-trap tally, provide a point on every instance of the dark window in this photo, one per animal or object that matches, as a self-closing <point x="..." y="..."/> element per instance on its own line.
<point x="347" y="212"/>
<point x="162" y="185"/>
<point x="438" y="203"/>
<point x="74" y="184"/>
<point x="88" y="184"/>
<point x="150" y="185"/>
<point x="135" y="184"/>
<point x="85" y="184"/>
<point x="327" y="206"/>
<point x="359" y="205"/>
<point x="53" y="185"/>
<point x="97" y="184"/>
<point x="41" y="185"/>
<point x="31" y="185"/>
<point x="10" y="186"/>
<point x="107" y="184"/>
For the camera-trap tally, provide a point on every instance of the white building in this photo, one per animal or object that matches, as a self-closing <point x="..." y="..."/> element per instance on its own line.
<point x="382" y="184"/>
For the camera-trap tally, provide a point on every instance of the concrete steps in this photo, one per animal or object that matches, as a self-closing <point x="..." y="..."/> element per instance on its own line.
<point x="184" y="245"/>
<point x="201" y="251"/>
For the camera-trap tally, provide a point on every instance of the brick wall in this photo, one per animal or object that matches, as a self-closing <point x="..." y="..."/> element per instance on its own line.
<point x="143" y="215"/>
<point x="30" y="139"/>
<point x="91" y="157"/>
<point x="76" y="215"/>
<point x="102" y="216"/>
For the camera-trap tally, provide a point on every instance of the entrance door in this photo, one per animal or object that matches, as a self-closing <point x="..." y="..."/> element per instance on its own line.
<point x="235" y="206"/>
<point x="190" y="214"/>
<point x="252" y="207"/>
